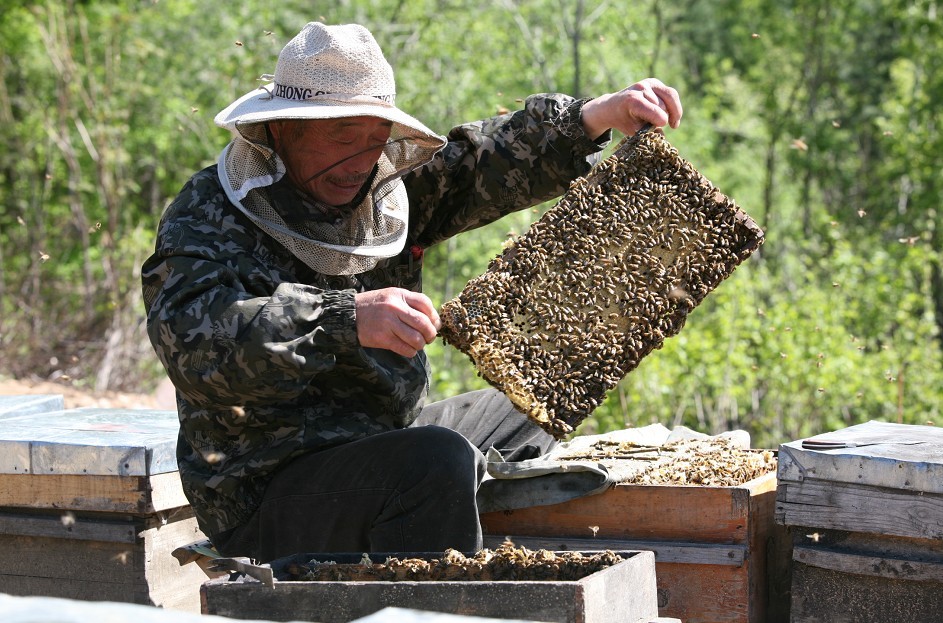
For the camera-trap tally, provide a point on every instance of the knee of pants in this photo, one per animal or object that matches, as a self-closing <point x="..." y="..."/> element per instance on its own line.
<point x="444" y="454"/>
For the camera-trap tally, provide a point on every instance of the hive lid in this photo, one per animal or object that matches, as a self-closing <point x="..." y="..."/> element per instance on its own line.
<point x="12" y="406"/>
<point x="598" y="282"/>
<point x="880" y="454"/>
<point x="93" y="441"/>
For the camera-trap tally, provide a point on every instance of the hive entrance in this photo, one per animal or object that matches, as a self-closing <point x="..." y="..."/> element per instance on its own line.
<point x="598" y="282"/>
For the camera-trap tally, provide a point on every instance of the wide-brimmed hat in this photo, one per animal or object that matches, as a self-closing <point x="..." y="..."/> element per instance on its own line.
<point x="326" y="72"/>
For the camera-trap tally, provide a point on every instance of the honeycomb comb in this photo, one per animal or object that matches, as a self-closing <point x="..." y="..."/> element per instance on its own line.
<point x="599" y="281"/>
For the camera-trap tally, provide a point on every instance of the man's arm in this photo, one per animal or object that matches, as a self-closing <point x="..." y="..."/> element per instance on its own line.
<point x="222" y="323"/>
<point x="493" y="167"/>
<point x="500" y="165"/>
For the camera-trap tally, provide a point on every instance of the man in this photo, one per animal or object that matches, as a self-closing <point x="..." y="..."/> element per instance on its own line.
<point x="284" y="301"/>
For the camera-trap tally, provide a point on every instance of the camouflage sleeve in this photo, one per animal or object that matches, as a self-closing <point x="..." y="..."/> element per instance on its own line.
<point x="224" y="333"/>
<point x="493" y="167"/>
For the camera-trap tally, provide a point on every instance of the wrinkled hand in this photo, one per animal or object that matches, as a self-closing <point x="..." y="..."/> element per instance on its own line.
<point x="647" y="101"/>
<point x="396" y="319"/>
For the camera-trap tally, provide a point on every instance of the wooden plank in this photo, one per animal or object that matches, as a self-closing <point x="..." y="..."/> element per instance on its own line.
<point x="665" y="551"/>
<point x="877" y="566"/>
<point x="645" y="512"/>
<point x="821" y="595"/>
<point x="67" y="526"/>
<point x="166" y="492"/>
<point x="118" y="494"/>
<point x="111" y="494"/>
<point x="761" y="525"/>
<point x="170" y="585"/>
<point x="694" y="595"/>
<point x="860" y="508"/>
<point x="91" y="561"/>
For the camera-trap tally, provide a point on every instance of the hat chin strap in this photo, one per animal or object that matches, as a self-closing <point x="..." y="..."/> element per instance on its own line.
<point x="332" y="212"/>
<point x="375" y="229"/>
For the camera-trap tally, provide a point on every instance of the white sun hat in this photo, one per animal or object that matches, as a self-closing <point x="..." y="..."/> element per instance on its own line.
<point x="326" y="72"/>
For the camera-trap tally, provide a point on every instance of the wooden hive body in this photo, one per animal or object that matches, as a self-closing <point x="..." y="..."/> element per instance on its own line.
<point x="92" y="508"/>
<point x="622" y="593"/>
<point x="864" y="507"/>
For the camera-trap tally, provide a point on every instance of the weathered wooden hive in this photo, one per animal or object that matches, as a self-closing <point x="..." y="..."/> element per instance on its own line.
<point x="864" y="507"/>
<point x="704" y="506"/>
<point x="91" y="505"/>
<point x="597" y="283"/>
<point x="508" y="583"/>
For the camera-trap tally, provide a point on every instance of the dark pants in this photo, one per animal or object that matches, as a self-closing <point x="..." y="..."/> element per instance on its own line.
<point x="409" y="490"/>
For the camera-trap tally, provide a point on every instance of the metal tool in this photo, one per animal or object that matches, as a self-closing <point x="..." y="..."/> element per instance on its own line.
<point x="837" y="444"/>
<point x="262" y="573"/>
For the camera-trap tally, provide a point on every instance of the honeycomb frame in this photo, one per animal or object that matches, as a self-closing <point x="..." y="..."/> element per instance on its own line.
<point x="573" y="305"/>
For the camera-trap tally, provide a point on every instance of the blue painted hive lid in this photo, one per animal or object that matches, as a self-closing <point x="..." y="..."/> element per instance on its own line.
<point x="93" y="441"/>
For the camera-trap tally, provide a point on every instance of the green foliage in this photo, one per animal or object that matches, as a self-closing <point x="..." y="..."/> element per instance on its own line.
<point x="820" y="118"/>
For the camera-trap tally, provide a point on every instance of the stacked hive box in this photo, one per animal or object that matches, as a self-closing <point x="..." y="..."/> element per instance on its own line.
<point x="864" y="506"/>
<point x="91" y="507"/>
<point x="714" y="545"/>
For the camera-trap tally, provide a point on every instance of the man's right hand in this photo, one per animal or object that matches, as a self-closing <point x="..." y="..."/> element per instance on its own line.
<point x="396" y="319"/>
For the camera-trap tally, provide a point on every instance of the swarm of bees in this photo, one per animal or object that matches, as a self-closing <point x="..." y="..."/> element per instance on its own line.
<point x="507" y="562"/>
<point x="597" y="283"/>
<point x="716" y="462"/>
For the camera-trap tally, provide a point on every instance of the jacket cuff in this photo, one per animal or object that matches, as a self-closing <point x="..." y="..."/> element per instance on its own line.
<point x="570" y="125"/>
<point x="340" y="318"/>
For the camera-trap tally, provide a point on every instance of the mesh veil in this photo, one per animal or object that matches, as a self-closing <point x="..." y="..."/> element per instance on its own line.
<point x="375" y="229"/>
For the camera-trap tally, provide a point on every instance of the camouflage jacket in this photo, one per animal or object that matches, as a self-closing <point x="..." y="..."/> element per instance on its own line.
<point x="263" y="351"/>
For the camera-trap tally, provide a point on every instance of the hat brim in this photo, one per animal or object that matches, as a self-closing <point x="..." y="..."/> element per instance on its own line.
<point x="259" y="106"/>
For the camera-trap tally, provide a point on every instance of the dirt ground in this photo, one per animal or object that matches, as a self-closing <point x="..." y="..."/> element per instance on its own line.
<point x="75" y="397"/>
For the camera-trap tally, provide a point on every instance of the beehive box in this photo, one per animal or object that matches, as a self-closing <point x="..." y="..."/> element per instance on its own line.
<point x="864" y="506"/>
<point x="91" y="507"/>
<point x="623" y="593"/>
<point x="712" y="544"/>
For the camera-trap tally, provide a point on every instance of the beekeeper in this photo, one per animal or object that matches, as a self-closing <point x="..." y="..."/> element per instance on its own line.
<point x="284" y="300"/>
